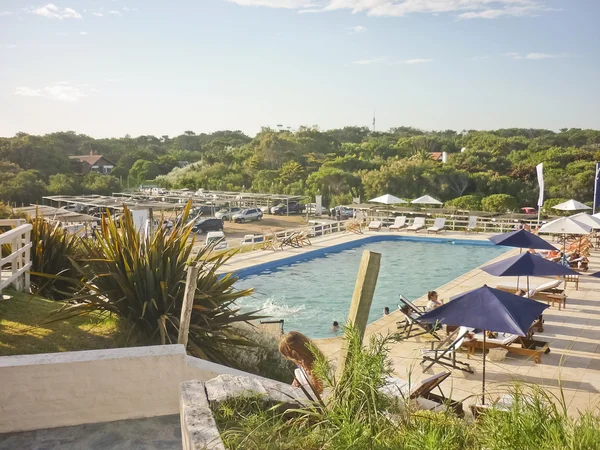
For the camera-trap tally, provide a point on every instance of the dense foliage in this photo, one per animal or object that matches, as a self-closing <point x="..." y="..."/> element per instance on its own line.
<point x="339" y="164"/>
<point x="356" y="415"/>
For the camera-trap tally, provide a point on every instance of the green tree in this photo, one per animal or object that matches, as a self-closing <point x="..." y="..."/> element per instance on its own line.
<point x="467" y="202"/>
<point x="61" y="184"/>
<point x="144" y="170"/>
<point x="499" y="203"/>
<point x="94" y="183"/>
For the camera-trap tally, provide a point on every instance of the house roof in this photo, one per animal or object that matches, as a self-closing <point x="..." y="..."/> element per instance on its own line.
<point x="90" y="159"/>
<point x="436" y="156"/>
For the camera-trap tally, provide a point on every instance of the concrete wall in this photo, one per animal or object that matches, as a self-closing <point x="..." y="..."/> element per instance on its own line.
<point x="73" y="388"/>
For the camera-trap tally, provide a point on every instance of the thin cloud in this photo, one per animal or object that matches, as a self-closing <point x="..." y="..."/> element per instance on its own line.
<point x="463" y="9"/>
<point x="11" y="46"/>
<point x="83" y="33"/>
<point x="114" y="12"/>
<point x="537" y="56"/>
<point x="98" y="14"/>
<point x="358" y="29"/>
<point x="364" y="62"/>
<point x="52" y="11"/>
<point x="60" y="91"/>
<point x="5" y="13"/>
<point x="416" y="61"/>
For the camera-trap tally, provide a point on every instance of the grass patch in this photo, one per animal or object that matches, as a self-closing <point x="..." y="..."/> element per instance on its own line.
<point x="22" y="328"/>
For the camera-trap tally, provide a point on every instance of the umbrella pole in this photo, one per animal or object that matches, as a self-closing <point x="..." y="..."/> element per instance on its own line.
<point x="520" y="251"/>
<point x="483" y="382"/>
<point x="527" y="286"/>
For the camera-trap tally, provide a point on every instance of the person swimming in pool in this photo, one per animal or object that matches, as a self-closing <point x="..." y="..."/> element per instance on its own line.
<point x="335" y="326"/>
<point x="386" y="311"/>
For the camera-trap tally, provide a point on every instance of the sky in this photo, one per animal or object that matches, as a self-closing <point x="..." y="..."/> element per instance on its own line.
<point x="113" y="67"/>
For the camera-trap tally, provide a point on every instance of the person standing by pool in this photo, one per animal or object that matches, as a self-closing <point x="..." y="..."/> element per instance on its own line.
<point x="433" y="301"/>
<point x="299" y="349"/>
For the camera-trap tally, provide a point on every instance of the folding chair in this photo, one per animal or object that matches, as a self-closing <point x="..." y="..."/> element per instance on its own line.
<point x="444" y="353"/>
<point x="411" y="326"/>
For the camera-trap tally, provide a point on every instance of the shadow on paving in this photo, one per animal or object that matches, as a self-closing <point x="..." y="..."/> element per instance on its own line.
<point x="155" y="433"/>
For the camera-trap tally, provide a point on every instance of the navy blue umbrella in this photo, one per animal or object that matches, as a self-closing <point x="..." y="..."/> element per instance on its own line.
<point x="527" y="265"/>
<point x="521" y="239"/>
<point x="487" y="308"/>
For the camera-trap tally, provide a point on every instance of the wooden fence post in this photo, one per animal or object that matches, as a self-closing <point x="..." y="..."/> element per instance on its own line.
<point x="361" y="301"/>
<point x="188" y="302"/>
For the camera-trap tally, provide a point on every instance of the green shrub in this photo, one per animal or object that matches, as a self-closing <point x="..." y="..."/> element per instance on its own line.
<point x="467" y="202"/>
<point x="499" y="203"/>
<point x="52" y="251"/>
<point x="141" y="278"/>
<point x="547" y="209"/>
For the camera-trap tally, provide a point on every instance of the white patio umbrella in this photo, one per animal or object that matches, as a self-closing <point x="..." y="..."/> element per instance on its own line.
<point x="586" y="219"/>
<point x="426" y="200"/>
<point x="387" y="199"/>
<point x="571" y="205"/>
<point x="564" y="226"/>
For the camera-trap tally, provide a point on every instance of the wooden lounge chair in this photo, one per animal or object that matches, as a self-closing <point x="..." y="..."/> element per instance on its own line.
<point x="302" y="239"/>
<point x="272" y="242"/>
<point x="418" y="224"/>
<point x="472" y="224"/>
<point x="422" y="393"/>
<point x="548" y="292"/>
<point x="438" y="225"/>
<point x="510" y="342"/>
<point x="399" y="223"/>
<point x="290" y="241"/>
<point x="444" y="353"/>
<point x="354" y="227"/>
<point x="375" y="225"/>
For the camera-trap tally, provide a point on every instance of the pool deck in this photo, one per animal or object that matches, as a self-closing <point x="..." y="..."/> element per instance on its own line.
<point x="573" y="364"/>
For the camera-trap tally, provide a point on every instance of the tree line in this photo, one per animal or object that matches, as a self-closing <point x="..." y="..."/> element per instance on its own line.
<point x="490" y="170"/>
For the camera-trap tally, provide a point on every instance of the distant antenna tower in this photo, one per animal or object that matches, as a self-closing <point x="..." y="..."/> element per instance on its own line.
<point x="373" y="120"/>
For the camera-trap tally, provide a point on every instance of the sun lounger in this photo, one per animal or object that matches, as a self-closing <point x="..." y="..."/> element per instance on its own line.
<point x="399" y="223"/>
<point x="418" y="224"/>
<point x="410" y="306"/>
<point x="444" y="353"/>
<point x="354" y="227"/>
<point x="411" y="326"/>
<point x="510" y="342"/>
<point x="438" y="225"/>
<point x="272" y="242"/>
<point x="548" y="292"/>
<point x="472" y="224"/>
<point x="301" y="239"/>
<point x="422" y="393"/>
<point x="375" y="225"/>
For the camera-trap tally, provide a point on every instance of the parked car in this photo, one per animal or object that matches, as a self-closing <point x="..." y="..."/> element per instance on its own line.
<point x="248" y="215"/>
<point x="214" y="236"/>
<point x="342" y="211"/>
<point x="290" y="208"/>
<point x="207" y="224"/>
<point x="225" y="212"/>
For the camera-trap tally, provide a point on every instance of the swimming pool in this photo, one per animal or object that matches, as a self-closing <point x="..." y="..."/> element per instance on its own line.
<point x="312" y="292"/>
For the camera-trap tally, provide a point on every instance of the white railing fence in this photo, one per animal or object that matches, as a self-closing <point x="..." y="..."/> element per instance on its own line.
<point x="15" y="256"/>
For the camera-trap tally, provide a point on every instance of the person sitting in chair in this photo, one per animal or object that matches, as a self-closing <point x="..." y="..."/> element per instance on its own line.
<point x="433" y="301"/>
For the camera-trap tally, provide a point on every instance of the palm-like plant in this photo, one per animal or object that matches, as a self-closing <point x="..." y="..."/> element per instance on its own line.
<point x="51" y="253"/>
<point x="141" y="278"/>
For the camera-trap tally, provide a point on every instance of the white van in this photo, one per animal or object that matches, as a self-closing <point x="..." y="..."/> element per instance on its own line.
<point x="214" y="236"/>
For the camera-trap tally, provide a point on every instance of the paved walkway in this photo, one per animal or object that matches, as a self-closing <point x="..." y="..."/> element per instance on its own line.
<point x="573" y="365"/>
<point x="155" y="433"/>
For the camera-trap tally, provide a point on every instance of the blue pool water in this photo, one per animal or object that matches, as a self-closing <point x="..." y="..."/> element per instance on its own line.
<point x="310" y="294"/>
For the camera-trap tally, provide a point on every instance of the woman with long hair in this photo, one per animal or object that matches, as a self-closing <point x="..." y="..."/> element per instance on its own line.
<point x="299" y="349"/>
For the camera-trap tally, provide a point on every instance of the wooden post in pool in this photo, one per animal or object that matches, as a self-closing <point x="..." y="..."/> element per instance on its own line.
<point x="361" y="301"/>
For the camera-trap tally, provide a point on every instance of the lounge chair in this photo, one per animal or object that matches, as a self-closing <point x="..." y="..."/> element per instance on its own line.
<point x="302" y="239"/>
<point x="354" y="227"/>
<point x="272" y="242"/>
<point x="510" y="342"/>
<point x="472" y="224"/>
<point x="438" y="225"/>
<point x="375" y="225"/>
<point x="548" y="292"/>
<point x="290" y="241"/>
<point x="422" y="393"/>
<point x="444" y="353"/>
<point x="411" y="326"/>
<point x="399" y="223"/>
<point x="418" y="224"/>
